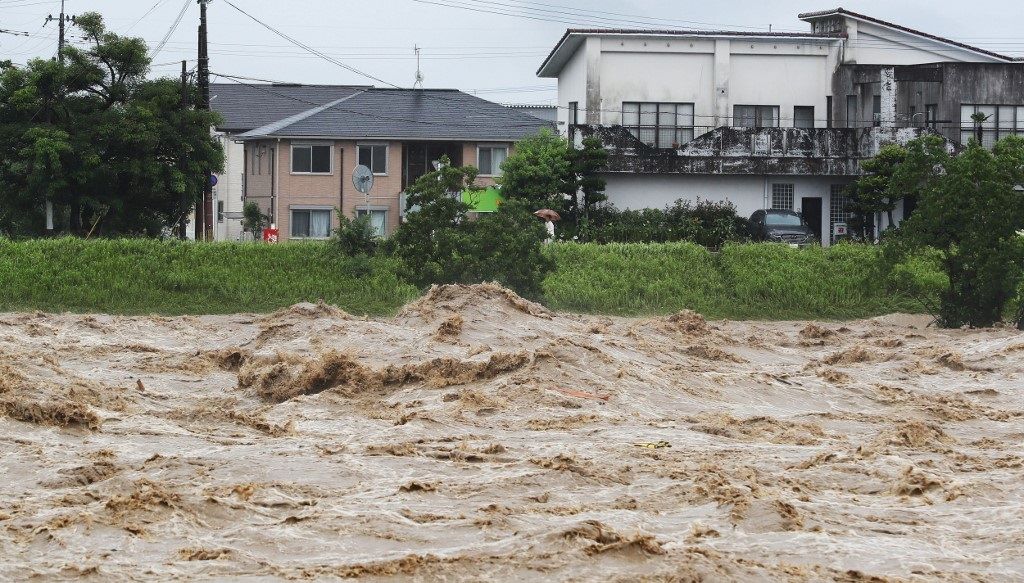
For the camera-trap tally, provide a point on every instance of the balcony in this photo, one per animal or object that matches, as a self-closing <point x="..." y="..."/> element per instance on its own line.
<point x="758" y="151"/>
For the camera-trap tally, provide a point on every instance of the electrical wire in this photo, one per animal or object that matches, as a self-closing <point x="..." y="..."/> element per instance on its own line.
<point x="174" y="26"/>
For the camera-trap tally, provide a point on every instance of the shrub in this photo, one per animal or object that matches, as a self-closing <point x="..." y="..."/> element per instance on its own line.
<point x="969" y="210"/>
<point x="439" y="244"/>
<point x="707" y="223"/>
<point x="355" y="236"/>
<point x="254" y="221"/>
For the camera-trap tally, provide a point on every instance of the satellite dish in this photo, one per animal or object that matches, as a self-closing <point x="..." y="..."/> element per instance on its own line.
<point x="362" y="179"/>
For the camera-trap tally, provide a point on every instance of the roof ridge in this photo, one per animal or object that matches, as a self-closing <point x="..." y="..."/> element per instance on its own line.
<point x="907" y="29"/>
<point x="291" y="120"/>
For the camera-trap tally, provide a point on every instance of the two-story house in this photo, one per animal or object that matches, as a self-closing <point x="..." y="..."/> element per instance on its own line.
<point x="299" y="168"/>
<point x="772" y="120"/>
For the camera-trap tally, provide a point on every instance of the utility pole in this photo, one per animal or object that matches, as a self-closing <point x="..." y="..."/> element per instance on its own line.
<point x="62" y="21"/>
<point x="204" y="217"/>
<point x="183" y="161"/>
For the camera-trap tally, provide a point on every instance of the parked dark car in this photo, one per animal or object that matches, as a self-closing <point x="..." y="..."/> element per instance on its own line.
<point x="781" y="226"/>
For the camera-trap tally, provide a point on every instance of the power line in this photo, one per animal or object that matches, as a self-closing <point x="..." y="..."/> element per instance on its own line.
<point x="174" y="26"/>
<point x="308" y="48"/>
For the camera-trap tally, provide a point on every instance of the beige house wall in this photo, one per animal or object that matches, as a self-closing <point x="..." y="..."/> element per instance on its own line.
<point x="335" y="190"/>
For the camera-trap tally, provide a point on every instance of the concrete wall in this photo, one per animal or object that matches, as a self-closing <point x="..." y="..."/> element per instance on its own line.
<point x="230" y="189"/>
<point x="747" y="193"/>
<point x="572" y="86"/>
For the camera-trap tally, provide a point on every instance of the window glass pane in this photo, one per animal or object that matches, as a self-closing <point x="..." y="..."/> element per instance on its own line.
<point x="965" y="136"/>
<point x="635" y="132"/>
<point x="667" y="115"/>
<point x="320" y="224"/>
<point x="988" y="138"/>
<point x="498" y="156"/>
<point x="803" y="117"/>
<point x="647" y="136"/>
<point x="966" y="111"/>
<point x="851" y="111"/>
<point x="666" y="137"/>
<point x="1006" y="117"/>
<point x="684" y="135"/>
<point x="630" y="114"/>
<point x="378" y="220"/>
<point x="380" y="159"/>
<point x="767" y="116"/>
<point x="744" y="116"/>
<point x="485" y="161"/>
<point x="990" y="113"/>
<point x="300" y="223"/>
<point x="1020" y="118"/>
<point x="366" y="156"/>
<point x="685" y="114"/>
<point x="302" y="159"/>
<point x="648" y="114"/>
<point x="321" y="159"/>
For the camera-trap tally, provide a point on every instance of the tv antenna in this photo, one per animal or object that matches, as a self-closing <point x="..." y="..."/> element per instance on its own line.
<point x="419" y="72"/>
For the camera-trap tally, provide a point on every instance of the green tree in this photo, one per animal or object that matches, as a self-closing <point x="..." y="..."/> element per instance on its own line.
<point x="114" y="152"/>
<point x="586" y="183"/>
<point x="254" y="220"/>
<point x="539" y="172"/>
<point x="439" y="243"/>
<point x="970" y="209"/>
<point x="872" y="193"/>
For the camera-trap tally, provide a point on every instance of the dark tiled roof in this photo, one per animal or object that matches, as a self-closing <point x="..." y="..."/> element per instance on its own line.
<point x="424" y="114"/>
<point x="652" y="32"/>
<point x="843" y="11"/>
<point x="246" y="107"/>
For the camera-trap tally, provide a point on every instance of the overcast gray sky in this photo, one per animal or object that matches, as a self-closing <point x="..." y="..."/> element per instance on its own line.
<point x="475" y="45"/>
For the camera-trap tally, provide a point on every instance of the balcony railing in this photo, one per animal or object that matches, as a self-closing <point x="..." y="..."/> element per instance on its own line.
<point x="729" y="150"/>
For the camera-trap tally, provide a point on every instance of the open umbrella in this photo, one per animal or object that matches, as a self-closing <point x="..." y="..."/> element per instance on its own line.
<point x="548" y="215"/>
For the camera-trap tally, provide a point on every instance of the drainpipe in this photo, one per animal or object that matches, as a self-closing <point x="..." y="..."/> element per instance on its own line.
<point x="277" y="184"/>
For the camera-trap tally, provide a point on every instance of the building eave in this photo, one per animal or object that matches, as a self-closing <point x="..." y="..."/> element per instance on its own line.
<point x="574" y="37"/>
<point x="810" y="16"/>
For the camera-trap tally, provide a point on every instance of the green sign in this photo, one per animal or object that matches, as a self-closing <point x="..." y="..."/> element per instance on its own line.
<point x="483" y="201"/>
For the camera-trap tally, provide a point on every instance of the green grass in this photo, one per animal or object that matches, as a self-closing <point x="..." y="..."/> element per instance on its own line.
<point x="742" y="282"/>
<point x="170" y="278"/>
<point x="154" y="277"/>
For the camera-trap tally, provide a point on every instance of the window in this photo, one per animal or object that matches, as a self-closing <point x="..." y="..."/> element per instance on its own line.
<point x="311" y="223"/>
<point x="828" y="111"/>
<point x="756" y="116"/>
<point x="876" y="111"/>
<point x="803" y="117"/>
<point x="220" y="211"/>
<point x="1000" y="121"/>
<point x="660" y="125"/>
<point x="931" y="114"/>
<point x="311" y="159"/>
<point x="490" y="159"/>
<point x="374" y="157"/>
<point x="574" y="112"/>
<point x="837" y="212"/>
<point x="378" y="220"/>
<point x="782" y="197"/>
<point x="851" y="111"/>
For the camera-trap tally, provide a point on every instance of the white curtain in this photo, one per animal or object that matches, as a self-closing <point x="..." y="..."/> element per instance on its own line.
<point x="378" y="219"/>
<point x="320" y="224"/>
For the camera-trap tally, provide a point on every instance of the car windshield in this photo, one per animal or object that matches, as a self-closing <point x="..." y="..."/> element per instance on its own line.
<point x="782" y="220"/>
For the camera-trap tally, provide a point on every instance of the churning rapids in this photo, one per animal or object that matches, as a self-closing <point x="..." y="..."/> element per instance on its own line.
<point x="478" y="436"/>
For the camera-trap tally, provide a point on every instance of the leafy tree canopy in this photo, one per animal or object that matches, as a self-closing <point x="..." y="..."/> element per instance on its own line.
<point x="115" y="152"/>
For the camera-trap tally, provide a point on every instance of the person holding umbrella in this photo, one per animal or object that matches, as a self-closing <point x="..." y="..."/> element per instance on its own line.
<point x="549" y="217"/>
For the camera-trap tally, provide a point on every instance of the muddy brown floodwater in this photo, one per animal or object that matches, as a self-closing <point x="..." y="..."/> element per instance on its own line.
<point x="477" y="436"/>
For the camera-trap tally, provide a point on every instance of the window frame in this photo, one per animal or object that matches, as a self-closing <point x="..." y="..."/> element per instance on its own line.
<point x="310" y="145"/>
<point x="791" y="194"/>
<point x="758" y="110"/>
<point x="492" y="174"/>
<point x="638" y="128"/>
<point x="812" y="120"/>
<point x="364" y="210"/>
<point x="309" y="209"/>
<point x="995" y="126"/>
<point x="371" y="145"/>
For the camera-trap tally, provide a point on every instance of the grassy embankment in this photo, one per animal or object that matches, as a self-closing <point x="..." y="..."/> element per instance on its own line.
<point x="143" y="277"/>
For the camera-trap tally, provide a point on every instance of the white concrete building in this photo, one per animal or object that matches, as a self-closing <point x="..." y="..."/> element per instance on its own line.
<point x="764" y="120"/>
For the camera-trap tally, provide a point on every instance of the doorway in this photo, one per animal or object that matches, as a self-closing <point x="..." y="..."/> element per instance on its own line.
<point x="811" y="211"/>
